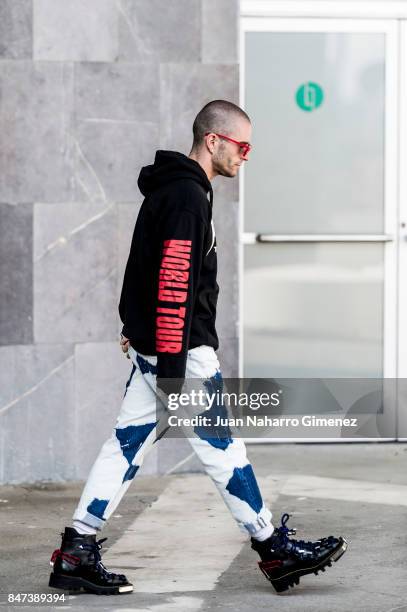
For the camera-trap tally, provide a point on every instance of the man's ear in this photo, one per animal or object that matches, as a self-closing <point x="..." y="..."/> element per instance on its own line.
<point x="210" y="140"/>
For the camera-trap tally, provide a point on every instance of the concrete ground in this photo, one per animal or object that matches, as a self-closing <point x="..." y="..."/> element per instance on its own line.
<point x="173" y="537"/>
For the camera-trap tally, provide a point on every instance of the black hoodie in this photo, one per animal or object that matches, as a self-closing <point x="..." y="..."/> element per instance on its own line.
<point x="169" y="294"/>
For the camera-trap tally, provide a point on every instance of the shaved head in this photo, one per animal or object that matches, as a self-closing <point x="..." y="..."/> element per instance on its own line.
<point x="218" y="116"/>
<point x="221" y="132"/>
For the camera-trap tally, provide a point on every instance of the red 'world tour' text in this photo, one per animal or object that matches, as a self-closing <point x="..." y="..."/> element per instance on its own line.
<point x="172" y="287"/>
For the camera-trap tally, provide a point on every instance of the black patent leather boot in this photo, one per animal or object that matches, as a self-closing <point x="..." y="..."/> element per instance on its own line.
<point x="284" y="560"/>
<point x="78" y="565"/>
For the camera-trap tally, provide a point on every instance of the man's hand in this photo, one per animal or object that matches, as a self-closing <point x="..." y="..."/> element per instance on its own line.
<point x="125" y="343"/>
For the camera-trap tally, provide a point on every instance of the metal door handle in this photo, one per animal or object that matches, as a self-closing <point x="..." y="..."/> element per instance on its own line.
<point x="252" y="238"/>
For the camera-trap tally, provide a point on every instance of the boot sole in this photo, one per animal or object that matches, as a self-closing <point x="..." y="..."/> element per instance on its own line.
<point x="283" y="583"/>
<point x="73" y="583"/>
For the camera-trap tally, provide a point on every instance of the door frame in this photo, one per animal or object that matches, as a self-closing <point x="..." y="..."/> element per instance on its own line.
<point x="354" y="9"/>
<point x="402" y="252"/>
<point x="270" y="15"/>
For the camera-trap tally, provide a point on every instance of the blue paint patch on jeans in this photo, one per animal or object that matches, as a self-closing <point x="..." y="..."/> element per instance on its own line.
<point x="243" y="484"/>
<point x="218" y="436"/>
<point x="129" y="381"/>
<point x="97" y="507"/>
<point x="131" y="438"/>
<point x="145" y="366"/>
<point x="131" y="472"/>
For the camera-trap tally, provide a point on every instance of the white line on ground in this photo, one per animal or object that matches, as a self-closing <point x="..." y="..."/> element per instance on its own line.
<point x="177" y="604"/>
<point x="183" y="542"/>
<point x="187" y="538"/>
<point x="345" y="489"/>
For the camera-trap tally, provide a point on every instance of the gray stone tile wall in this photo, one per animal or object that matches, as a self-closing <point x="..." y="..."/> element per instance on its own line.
<point x="16" y="274"/>
<point x="75" y="30"/>
<point x="89" y="90"/>
<point x="158" y="31"/>
<point x="75" y="272"/>
<point x="36" y="161"/>
<point x="16" y="38"/>
<point x="220" y="28"/>
<point x="37" y="412"/>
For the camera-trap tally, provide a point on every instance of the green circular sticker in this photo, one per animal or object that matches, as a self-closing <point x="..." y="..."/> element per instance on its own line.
<point x="309" y="96"/>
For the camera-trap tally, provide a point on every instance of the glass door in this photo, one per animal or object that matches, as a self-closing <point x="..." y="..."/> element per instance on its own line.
<point x="319" y="215"/>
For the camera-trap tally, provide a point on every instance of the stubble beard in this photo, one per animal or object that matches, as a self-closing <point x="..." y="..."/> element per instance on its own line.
<point x="225" y="167"/>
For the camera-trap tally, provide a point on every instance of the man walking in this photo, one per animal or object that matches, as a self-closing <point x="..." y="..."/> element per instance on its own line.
<point x="168" y="310"/>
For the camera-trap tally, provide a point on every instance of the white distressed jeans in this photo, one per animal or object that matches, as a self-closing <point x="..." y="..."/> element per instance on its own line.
<point x="136" y="430"/>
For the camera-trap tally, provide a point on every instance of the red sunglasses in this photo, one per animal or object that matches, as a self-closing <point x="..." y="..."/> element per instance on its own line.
<point x="245" y="147"/>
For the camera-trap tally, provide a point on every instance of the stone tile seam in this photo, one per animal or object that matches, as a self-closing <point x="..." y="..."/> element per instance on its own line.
<point x="62" y="240"/>
<point x="36" y="386"/>
<point x="107" y="120"/>
<point x="90" y="168"/>
<point x="132" y="28"/>
<point x="180" y="464"/>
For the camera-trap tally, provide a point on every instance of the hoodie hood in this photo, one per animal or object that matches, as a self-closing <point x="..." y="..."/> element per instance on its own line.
<point x="172" y="166"/>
